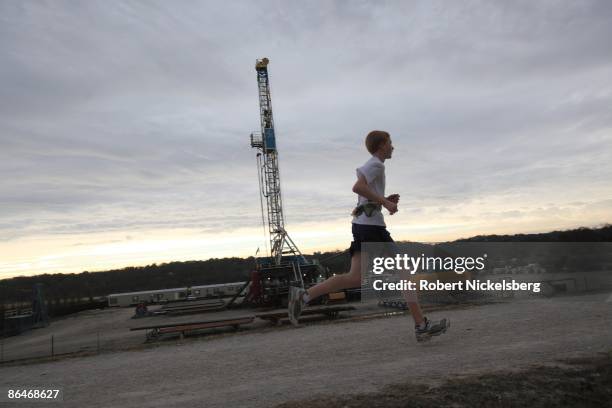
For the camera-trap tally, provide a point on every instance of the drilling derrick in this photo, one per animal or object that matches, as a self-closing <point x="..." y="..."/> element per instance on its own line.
<point x="265" y="141"/>
<point x="284" y="265"/>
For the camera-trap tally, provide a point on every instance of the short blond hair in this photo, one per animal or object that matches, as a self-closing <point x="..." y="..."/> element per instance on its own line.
<point x="375" y="139"/>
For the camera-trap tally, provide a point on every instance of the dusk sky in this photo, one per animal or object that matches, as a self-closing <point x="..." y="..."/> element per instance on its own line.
<point x="124" y="126"/>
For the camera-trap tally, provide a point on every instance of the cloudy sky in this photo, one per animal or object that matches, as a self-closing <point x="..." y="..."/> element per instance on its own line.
<point x="124" y="126"/>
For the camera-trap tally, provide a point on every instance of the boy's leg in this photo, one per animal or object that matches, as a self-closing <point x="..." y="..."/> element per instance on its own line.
<point x="412" y="301"/>
<point x="299" y="297"/>
<point x="424" y="328"/>
<point x="352" y="279"/>
<point x="410" y="296"/>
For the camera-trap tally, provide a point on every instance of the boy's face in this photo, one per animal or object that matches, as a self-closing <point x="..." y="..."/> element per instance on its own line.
<point x="387" y="149"/>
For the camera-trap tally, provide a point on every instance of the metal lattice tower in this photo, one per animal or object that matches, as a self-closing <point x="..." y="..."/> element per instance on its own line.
<point x="269" y="176"/>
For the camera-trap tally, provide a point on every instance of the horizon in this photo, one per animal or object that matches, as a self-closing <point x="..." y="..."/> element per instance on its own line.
<point x="312" y="252"/>
<point x="125" y="126"/>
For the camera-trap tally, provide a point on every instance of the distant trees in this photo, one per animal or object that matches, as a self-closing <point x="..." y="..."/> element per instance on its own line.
<point x="603" y="234"/>
<point x="87" y="285"/>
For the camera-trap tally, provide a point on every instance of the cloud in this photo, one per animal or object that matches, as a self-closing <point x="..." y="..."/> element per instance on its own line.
<point x="130" y="116"/>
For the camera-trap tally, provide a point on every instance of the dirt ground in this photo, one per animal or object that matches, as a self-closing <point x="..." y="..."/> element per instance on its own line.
<point x="484" y="356"/>
<point x="110" y="328"/>
<point x="581" y="382"/>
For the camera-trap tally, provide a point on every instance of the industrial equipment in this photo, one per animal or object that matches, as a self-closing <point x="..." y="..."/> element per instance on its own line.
<point x="284" y="265"/>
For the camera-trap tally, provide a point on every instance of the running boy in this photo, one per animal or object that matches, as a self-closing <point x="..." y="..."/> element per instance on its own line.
<point x="368" y="225"/>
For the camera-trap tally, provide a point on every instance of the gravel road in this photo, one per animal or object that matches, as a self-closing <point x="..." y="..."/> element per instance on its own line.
<point x="265" y="368"/>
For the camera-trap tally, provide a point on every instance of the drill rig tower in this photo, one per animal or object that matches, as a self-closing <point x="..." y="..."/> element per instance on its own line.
<point x="267" y="164"/>
<point x="285" y="266"/>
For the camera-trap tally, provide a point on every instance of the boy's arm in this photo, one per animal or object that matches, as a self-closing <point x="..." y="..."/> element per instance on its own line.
<point x="361" y="187"/>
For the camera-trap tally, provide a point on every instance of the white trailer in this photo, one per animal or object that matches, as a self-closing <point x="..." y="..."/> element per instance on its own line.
<point x="174" y="294"/>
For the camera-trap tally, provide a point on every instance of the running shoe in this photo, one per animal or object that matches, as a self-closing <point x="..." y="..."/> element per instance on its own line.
<point x="430" y="329"/>
<point x="295" y="303"/>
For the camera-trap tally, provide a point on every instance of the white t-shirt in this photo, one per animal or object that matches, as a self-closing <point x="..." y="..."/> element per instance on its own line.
<point x="374" y="172"/>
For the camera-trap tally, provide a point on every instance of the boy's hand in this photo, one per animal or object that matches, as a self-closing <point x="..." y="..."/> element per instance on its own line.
<point x="394" y="198"/>
<point x="390" y="206"/>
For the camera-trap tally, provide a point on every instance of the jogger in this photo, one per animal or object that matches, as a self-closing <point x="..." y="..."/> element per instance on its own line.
<point x="368" y="226"/>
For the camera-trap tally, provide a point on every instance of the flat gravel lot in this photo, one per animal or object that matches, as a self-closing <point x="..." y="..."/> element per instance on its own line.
<point x="265" y="368"/>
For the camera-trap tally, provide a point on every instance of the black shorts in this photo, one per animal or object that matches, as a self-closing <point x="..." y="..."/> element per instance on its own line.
<point x="368" y="233"/>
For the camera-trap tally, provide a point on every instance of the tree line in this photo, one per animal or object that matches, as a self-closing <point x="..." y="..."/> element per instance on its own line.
<point x="84" y="286"/>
